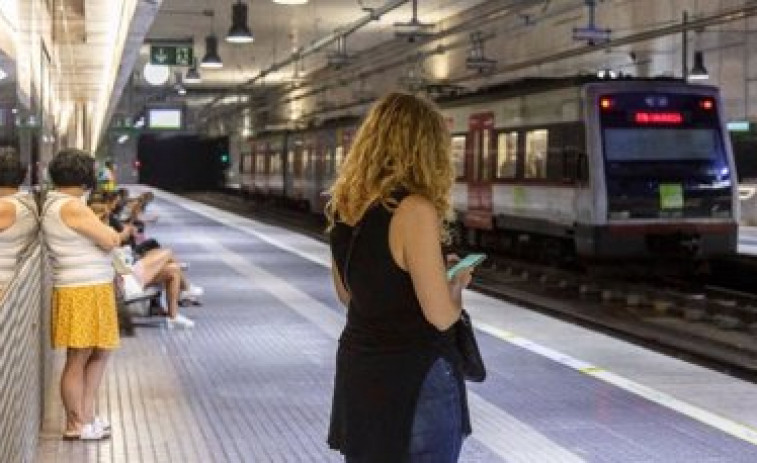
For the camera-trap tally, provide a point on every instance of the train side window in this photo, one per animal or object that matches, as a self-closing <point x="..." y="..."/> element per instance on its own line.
<point x="557" y="152"/>
<point x="260" y="162"/>
<point x="306" y="163"/>
<point x="507" y="154"/>
<point x="289" y="167"/>
<point x="329" y="160"/>
<point x="536" y="153"/>
<point x="275" y="163"/>
<point x="458" y="155"/>
<point x="338" y="158"/>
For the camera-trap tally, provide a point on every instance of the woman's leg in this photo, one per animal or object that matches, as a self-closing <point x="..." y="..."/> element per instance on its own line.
<point x="437" y="431"/>
<point x="72" y="385"/>
<point x="170" y="278"/>
<point x="153" y="263"/>
<point x="93" y="373"/>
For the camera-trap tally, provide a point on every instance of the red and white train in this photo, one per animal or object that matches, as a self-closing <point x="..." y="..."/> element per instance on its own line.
<point x="599" y="169"/>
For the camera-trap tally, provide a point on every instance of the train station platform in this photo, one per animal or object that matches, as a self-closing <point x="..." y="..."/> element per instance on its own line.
<point x="252" y="381"/>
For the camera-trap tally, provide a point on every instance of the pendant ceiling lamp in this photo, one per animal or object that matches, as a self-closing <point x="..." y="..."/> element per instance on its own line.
<point x="239" y="31"/>
<point x="211" y="60"/>
<point x="699" y="72"/>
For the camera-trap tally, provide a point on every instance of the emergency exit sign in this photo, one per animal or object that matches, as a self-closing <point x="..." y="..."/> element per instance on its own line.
<point x="171" y="55"/>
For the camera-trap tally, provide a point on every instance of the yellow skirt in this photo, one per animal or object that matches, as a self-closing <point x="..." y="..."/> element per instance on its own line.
<point x="85" y="316"/>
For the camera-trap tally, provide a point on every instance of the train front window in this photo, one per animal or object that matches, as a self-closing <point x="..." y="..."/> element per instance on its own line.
<point x="660" y="144"/>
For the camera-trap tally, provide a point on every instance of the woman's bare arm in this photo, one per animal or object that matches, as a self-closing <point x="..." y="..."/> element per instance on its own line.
<point x="81" y="219"/>
<point x="415" y="233"/>
<point x="7" y="214"/>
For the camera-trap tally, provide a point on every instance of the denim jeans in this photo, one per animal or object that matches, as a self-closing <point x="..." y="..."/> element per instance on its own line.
<point x="436" y="435"/>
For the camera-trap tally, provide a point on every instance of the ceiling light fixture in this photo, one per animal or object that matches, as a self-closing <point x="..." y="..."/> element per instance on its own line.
<point x="340" y="57"/>
<point x="699" y="72"/>
<point x="239" y="31"/>
<point x="290" y="2"/>
<point x="413" y="30"/>
<point x="179" y="85"/>
<point x="155" y="74"/>
<point x="211" y="60"/>
<point x="476" y="60"/>
<point x="193" y="75"/>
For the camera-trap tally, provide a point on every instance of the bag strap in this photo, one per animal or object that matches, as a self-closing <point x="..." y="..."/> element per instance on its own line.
<point x="348" y="257"/>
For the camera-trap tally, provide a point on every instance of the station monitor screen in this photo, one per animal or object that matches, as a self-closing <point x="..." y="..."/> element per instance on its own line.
<point x="164" y="119"/>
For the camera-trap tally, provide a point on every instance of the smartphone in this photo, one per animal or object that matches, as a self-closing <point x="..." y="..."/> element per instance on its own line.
<point x="471" y="260"/>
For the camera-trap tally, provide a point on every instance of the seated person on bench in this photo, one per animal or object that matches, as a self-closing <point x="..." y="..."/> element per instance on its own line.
<point x="157" y="266"/>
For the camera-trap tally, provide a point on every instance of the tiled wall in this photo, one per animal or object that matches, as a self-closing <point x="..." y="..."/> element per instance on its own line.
<point x="24" y="326"/>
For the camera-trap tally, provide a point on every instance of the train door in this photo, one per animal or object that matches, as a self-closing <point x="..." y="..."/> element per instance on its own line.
<point x="261" y="172"/>
<point x="319" y="164"/>
<point x="479" y="149"/>
<point x="289" y="166"/>
<point x="246" y="169"/>
<point x="308" y="171"/>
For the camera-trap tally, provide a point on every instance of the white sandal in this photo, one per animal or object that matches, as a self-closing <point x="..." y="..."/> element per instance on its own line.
<point x="93" y="431"/>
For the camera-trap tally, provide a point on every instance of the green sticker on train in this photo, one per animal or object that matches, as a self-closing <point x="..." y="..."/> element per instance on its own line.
<point x="671" y="196"/>
<point x="519" y="197"/>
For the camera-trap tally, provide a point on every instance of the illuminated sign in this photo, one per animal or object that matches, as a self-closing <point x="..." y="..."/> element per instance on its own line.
<point x="164" y="119"/>
<point x="658" y="118"/>
<point x="738" y="126"/>
<point x="175" y="55"/>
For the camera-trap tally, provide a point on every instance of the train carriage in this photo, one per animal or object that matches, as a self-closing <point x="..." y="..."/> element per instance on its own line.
<point x="599" y="169"/>
<point x="602" y="169"/>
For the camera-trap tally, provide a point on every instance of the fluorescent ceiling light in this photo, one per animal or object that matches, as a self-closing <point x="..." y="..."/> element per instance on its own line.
<point x="290" y="2"/>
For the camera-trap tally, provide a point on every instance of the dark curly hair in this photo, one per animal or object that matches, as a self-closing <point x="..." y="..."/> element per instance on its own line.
<point x="72" y="167"/>
<point x="12" y="170"/>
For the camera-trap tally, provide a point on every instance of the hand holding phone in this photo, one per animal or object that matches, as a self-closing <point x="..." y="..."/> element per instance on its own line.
<point x="471" y="260"/>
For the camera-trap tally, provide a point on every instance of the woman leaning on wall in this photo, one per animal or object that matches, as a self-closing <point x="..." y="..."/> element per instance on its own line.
<point x="84" y="319"/>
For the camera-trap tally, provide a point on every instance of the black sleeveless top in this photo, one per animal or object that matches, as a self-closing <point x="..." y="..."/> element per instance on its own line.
<point x="385" y="350"/>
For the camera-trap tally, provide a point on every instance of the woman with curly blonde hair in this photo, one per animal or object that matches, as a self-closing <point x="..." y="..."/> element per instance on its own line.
<point x="399" y="394"/>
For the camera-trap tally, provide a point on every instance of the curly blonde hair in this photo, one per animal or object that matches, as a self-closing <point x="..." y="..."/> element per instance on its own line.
<point x="402" y="144"/>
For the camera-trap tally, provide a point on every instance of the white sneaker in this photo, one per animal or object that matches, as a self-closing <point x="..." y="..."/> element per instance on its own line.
<point x="179" y="321"/>
<point x="192" y="292"/>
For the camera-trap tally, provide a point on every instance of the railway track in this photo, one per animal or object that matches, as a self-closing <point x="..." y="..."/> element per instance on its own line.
<point x="709" y="322"/>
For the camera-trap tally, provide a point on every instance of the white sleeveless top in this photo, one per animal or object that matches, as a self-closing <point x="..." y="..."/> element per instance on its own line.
<point x="14" y="238"/>
<point x="76" y="260"/>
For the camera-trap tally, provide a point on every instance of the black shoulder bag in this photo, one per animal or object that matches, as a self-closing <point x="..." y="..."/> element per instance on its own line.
<point x="472" y="365"/>
<point x="472" y="362"/>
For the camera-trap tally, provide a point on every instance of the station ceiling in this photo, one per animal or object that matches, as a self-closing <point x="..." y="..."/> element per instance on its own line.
<point x="280" y="29"/>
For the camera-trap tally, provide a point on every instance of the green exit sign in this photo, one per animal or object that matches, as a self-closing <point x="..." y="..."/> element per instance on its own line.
<point x="171" y="55"/>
